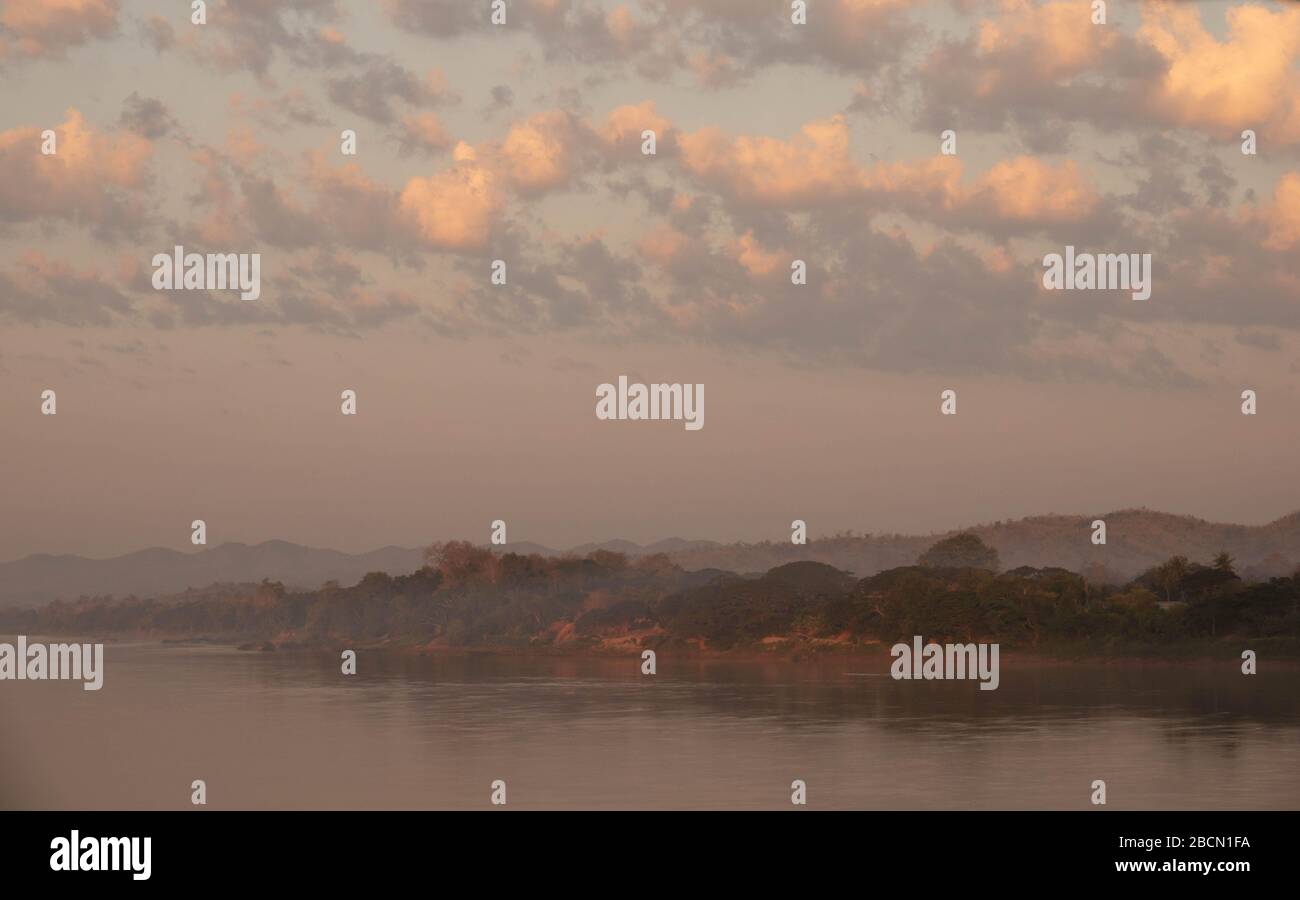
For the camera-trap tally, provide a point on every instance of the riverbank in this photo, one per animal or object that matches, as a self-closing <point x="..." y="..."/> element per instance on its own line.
<point x="867" y="652"/>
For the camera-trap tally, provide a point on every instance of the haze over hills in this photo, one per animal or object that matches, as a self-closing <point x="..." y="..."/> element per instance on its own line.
<point x="147" y="573"/>
<point x="1136" y="540"/>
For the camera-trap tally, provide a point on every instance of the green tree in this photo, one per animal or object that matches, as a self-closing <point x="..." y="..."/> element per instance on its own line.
<point x="1170" y="575"/>
<point x="961" y="551"/>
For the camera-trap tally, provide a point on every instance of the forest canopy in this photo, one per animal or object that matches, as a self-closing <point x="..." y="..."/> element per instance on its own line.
<point x="468" y="595"/>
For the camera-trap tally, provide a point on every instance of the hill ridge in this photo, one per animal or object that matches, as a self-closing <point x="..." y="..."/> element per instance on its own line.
<point x="1138" y="538"/>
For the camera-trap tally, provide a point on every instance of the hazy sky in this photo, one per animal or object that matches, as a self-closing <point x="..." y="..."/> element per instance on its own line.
<point x="522" y="142"/>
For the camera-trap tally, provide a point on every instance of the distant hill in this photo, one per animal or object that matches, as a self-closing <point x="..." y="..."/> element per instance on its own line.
<point x="1136" y="540"/>
<point x="609" y="603"/>
<point x="671" y="546"/>
<point x="149" y="573"/>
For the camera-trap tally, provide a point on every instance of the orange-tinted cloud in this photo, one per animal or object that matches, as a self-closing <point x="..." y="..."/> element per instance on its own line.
<point x="753" y="258"/>
<point x="622" y="128"/>
<point x="538" y="154"/>
<point x="38" y="288"/>
<point x="455" y="208"/>
<point x="41" y="28"/>
<point x="1282" y="216"/>
<point x="424" y="131"/>
<point x="808" y="169"/>
<point x="78" y="179"/>
<point x="1028" y="190"/>
<point x="1055" y="40"/>
<point x="1249" y="80"/>
<point x="815" y="168"/>
<point x="663" y="245"/>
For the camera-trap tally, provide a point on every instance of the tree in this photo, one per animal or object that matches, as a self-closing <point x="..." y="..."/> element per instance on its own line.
<point x="461" y="563"/>
<point x="1170" y="575"/>
<point x="1224" y="562"/>
<point x="961" y="551"/>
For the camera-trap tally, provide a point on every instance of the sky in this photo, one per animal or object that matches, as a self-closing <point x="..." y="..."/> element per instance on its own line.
<point x="522" y="142"/>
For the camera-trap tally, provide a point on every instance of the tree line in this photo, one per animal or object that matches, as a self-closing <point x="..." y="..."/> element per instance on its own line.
<point x="468" y="596"/>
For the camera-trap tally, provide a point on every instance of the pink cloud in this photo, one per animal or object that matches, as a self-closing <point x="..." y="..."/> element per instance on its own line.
<point x="79" y="179"/>
<point x="1249" y="80"/>
<point x="815" y="168"/>
<point x="45" y="28"/>
<point x="1282" y="216"/>
<point x="454" y="209"/>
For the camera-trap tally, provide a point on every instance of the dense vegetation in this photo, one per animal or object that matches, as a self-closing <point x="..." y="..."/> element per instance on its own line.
<point x="961" y="551"/>
<point x="470" y="596"/>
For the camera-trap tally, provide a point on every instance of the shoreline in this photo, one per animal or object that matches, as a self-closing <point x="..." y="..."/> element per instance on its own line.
<point x="875" y="654"/>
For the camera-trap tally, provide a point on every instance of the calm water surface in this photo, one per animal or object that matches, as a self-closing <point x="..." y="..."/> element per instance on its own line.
<point x="287" y="730"/>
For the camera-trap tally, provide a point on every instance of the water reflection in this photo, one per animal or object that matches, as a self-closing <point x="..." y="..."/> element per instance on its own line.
<point x="287" y="730"/>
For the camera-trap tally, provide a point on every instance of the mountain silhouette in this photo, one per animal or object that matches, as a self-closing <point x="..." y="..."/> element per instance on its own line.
<point x="1137" y="539"/>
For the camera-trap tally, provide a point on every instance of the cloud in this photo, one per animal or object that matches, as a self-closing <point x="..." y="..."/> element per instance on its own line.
<point x="579" y="284"/>
<point x="38" y="289"/>
<point x="146" y="116"/>
<point x="811" y="168"/>
<point x="290" y="107"/>
<point x="1282" y="216"/>
<point x="538" y="154"/>
<point x="665" y="246"/>
<point x="90" y="178"/>
<point x="1249" y="80"/>
<point x="378" y="81"/>
<point x="423" y="133"/>
<point x="754" y="259"/>
<point x="158" y="33"/>
<point x="1267" y="341"/>
<point x="454" y="209"/>
<point x="1223" y="267"/>
<point x="1115" y="138"/>
<point x="621" y="131"/>
<point x="1050" y="40"/>
<point x="459" y="208"/>
<point x="815" y="169"/>
<point x="1028" y="190"/>
<point x="252" y="34"/>
<point x="1043" y="68"/>
<point x="718" y="42"/>
<point x="503" y="97"/>
<point x="442" y="18"/>
<point x="577" y="30"/>
<point x="872" y="298"/>
<point x="727" y="41"/>
<point x="48" y="28"/>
